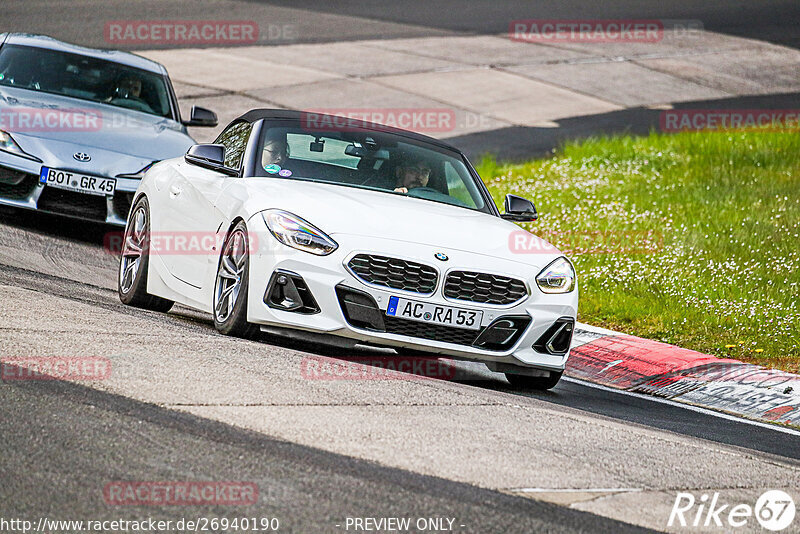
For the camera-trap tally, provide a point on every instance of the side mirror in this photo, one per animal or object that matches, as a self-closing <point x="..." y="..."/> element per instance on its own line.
<point x="519" y="209"/>
<point x="201" y="117"/>
<point x="209" y="157"/>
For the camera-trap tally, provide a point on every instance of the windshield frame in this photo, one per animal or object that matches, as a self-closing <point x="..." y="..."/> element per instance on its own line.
<point x="174" y="113"/>
<point x="252" y="161"/>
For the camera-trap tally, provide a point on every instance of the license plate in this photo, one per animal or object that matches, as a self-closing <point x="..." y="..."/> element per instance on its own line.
<point x="75" y="181"/>
<point x="425" y="312"/>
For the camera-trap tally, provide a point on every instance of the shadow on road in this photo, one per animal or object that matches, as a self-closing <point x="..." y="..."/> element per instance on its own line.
<point x="35" y="222"/>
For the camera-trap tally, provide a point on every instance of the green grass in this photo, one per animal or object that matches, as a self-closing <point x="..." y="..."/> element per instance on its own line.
<point x="690" y="239"/>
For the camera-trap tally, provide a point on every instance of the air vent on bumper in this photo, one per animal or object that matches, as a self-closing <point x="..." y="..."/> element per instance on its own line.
<point x="557" y="339"/>
<point x="288" y="291"/>
<point x="503" y="333"/>
<point x="360" y="309"/>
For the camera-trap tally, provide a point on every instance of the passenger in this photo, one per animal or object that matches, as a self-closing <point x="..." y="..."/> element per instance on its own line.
<point x="275" y="151"/>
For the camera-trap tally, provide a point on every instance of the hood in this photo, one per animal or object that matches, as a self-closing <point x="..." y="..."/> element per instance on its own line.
<point x="74" y="124"/>
<point x="340" y="210"/>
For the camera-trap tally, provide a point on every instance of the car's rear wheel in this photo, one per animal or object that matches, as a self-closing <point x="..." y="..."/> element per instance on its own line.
<point x="232" y="284"/>
<point x="539" y="383"/>
<point x="135" y="260"/>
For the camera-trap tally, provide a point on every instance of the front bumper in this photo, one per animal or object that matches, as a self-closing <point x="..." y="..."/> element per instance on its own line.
<point x="326" y="276"/>
<point x="20" y="187"/>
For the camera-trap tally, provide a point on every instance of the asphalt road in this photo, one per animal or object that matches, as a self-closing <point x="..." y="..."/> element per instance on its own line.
<point x="183" y="401"/>
<point x="669" y="416"/>
<point x="83" y="21"/>
<point x="62" y="443"/>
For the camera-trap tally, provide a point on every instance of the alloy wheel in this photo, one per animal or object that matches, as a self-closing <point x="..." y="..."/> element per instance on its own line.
<point x="132" y="249"/>
<point x="229" y="275"/>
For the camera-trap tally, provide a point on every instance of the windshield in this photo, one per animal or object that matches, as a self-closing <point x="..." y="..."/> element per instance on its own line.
<point x="82" y="77"/>
<point x="366" y="159"/>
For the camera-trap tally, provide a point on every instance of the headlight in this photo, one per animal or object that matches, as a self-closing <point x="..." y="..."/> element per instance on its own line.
<point x="558" y="277"/>
<point x="8" y="144"/>
<point x="296" y="232"/>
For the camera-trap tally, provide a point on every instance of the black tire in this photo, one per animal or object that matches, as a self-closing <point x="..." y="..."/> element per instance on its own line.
<point x="133" y="292"/>
<point x="539" y="383"/>
<point x="234" y="321"/>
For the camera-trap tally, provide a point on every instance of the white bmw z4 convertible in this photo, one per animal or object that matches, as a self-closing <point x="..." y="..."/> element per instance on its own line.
<point x="326" y="229"/>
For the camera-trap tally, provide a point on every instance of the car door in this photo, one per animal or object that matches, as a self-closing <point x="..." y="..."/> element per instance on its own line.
<point x="191" y="215"/>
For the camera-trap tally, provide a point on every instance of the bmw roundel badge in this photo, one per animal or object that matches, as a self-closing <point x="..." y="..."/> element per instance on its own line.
<point x="441" y="256"/>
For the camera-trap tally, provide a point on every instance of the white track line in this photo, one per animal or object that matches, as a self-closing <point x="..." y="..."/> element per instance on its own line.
<point x="686" y="406"/>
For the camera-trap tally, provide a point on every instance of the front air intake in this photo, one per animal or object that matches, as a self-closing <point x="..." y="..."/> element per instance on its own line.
<point x="557" y="339"/>
<point x="503" y="333"/>
<point x="288" y="291"/>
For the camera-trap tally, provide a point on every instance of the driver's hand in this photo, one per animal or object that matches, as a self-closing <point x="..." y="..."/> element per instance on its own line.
<point x="401" y="190"/>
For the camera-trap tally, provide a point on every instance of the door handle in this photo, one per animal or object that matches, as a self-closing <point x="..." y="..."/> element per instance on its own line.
<point x="175" y="190"/>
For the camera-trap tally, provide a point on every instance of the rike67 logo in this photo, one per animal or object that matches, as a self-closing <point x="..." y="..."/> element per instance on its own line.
<point x="774" y="510"/>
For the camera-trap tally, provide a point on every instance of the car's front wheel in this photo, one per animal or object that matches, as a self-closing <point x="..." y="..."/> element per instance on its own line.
<point x="539" y="383"/>
<point x="135" y="260"/>
<point x="231" y="287"/>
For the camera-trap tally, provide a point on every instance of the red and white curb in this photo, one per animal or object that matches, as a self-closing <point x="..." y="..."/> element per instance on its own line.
<point x="640" y="365"/>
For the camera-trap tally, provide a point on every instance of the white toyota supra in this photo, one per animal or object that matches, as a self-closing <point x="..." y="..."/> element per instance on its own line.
<point x="353" y="233"/>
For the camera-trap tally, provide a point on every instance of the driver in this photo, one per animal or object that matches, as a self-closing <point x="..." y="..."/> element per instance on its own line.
<point x="129" y="87"/>
<point x="412" y="175"/>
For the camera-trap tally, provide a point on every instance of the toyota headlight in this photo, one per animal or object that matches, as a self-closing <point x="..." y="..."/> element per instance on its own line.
<point x="296" y="232"/>
<point x="8" y="144"/>
<point x="558" y="277"/>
